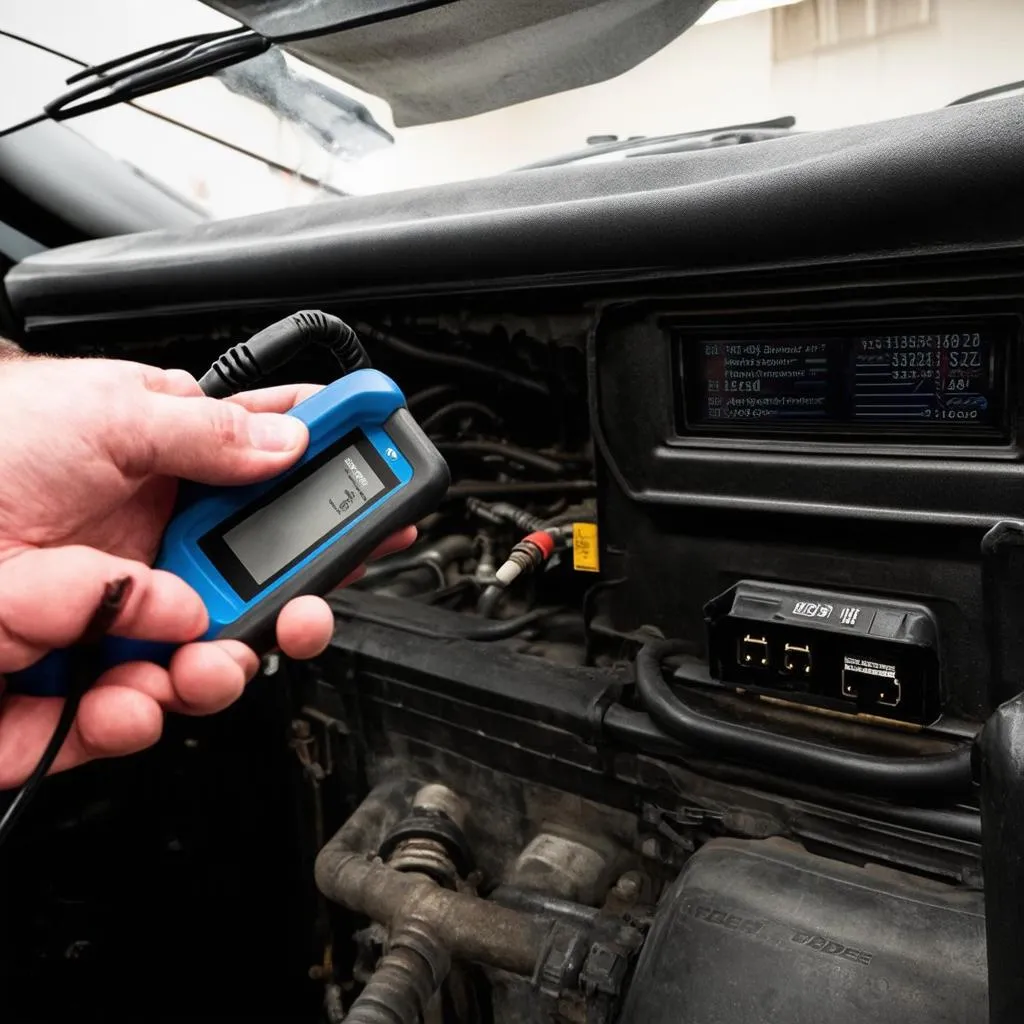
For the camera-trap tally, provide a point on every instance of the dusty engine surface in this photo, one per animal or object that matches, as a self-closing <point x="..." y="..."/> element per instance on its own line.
<point x="576" y="925"/>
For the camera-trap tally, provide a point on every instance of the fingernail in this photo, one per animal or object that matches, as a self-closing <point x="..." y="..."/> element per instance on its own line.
<point x="272" y="432"/>
<point x="245" y="659"/>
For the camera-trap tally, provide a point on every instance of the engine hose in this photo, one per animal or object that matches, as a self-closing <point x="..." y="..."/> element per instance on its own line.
<point x="487" y="606"/>
<point x="462" y="407"/>
<point x="500" y="629"/>
<point x="405" y="980"/>
<point x="935" y="775"/>
<point x="394" y="566"/>
<point x="504" y="450"/>
<point x="465" y="926"/>
<point x="501" y="512"/>
<point x="431" y="562"/>
<point x="452" y="362"/>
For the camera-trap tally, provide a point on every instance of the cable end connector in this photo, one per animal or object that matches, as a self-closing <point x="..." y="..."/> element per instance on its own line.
<point x="246" y="364"/>
<point x="527" y="556"/>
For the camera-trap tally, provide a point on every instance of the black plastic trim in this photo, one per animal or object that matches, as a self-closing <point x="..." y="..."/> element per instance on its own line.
<point x="942" y="182"/>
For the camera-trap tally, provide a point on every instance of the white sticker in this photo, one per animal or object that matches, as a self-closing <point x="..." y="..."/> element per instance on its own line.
<point x="855" y="670"/>
<point x="849" y="615"/>
<point x="871" y="668"/>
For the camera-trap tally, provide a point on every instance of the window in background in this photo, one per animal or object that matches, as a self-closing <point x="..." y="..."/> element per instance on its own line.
<point x="813" y="25"/>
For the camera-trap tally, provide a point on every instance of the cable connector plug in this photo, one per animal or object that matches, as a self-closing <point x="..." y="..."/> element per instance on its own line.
<point x="501" y="512"/>
<point x="246" y="364"/>
<point x="529" y="554"/>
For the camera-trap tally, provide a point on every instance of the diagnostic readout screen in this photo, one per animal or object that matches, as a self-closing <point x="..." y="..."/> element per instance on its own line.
<point x="278" y="533"/>
<point x="256" y="545"/>
<point x="917" y="382"/>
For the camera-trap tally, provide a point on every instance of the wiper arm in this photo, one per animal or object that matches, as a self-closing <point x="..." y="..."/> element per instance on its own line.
<point x="783" y="124"/>
<point x="157" y="67"/>
<point x="985" y="94"/>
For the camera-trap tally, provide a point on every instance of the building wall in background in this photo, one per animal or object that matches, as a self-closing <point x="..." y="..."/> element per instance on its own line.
<point x="722" y="72"/>
<point x="726" y="73"/>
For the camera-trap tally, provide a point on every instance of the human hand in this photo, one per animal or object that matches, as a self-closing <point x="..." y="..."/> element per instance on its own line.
<point x="90" y="457"/>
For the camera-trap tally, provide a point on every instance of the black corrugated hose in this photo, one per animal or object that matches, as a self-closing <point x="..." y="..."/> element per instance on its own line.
<point x="935" y="775"/>
<point x="249" y="362"/>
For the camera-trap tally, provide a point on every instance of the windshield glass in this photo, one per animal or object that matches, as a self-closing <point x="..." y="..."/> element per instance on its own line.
<point x="276" y="131"/>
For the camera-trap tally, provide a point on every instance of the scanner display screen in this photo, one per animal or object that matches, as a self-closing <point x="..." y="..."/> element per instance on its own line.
<point x="256" y="546"/>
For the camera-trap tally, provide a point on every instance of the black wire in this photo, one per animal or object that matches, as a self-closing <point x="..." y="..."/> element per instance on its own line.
<point x="40" y="46"/>
<point x="429" y="394"/>
<point x="501" y="630"/>
<point x="84" y="668"/>
<point x="307" y="179"/>
<point x="246" y="364"/>
<point x="95" y="70"/>
<point x="451" y="361"/>
<point x="512" y="488"/>
<point x="175" y="67"/>
<point x="435" y="419"/>
<point x="149" y="111"/>
<point x="510" y="452"/>
<point x="23" y="124"/>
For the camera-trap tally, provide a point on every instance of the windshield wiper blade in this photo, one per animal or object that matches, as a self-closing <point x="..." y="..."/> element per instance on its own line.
<point x="985" y="94"/>
<point x="783" y="123"/>
<point x="157" y="67"/>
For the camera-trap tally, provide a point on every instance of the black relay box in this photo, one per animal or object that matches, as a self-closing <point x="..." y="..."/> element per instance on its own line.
<point x="843" y="652"/>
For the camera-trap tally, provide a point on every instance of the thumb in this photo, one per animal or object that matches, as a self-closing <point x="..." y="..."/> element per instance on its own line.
<point x="212" y="441"/>
<point x="48" y="596"/>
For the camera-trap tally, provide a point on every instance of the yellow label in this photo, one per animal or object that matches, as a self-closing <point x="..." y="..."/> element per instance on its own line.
<point x="585" y="554"/>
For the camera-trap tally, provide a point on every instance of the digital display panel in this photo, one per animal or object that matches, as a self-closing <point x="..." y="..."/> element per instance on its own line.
<point x="254" y="547"/>
<point x="850" y="381"/>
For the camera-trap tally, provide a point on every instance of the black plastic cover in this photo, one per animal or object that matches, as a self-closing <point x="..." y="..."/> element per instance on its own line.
<point x="765" y="933"/>
<point x="847" y="652"/>
<point x="948" y="180"/>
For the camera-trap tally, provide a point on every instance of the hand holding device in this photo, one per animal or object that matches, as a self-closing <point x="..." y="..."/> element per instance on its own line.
<point x="103" y="484"/>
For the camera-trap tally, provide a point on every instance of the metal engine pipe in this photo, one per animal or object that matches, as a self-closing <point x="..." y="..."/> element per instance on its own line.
<point x="465" y="927"/>
<point x="404" y="982"/>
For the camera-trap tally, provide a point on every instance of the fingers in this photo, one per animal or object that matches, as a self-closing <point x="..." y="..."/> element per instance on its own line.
<point x="398" y="541"/>
<point x="210" y="441"/>
<point x="238" y="440"/>
<point x="184" y="385"/>
<point x="111" y="721"/>
<point x="123" y="712"/>
<point x="202" y="678"/>
<point x="305" y="627"/>
<point x="170" y="382"/>
<point x="48" y="596"/>
<point x="279" y="399"/>
<point x="207" y="677"/>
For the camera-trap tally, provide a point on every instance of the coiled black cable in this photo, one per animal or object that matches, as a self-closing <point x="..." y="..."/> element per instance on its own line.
<point x="246" y="364"/>
<point x="933" y="775"/>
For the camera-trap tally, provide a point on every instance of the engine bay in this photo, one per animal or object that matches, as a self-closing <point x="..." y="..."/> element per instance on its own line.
<point x="719" y="751"/>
